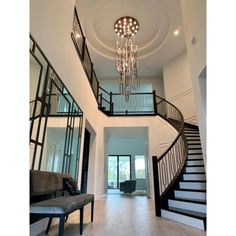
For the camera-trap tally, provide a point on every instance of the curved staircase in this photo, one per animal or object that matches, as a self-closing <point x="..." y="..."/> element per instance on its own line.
<point x="186" y="202"/>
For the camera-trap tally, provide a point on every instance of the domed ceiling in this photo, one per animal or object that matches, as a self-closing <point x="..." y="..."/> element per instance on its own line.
<point x="157" y="43"/>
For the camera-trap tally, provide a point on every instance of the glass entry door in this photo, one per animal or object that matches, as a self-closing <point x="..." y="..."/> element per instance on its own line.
<point x="119" y="170"/>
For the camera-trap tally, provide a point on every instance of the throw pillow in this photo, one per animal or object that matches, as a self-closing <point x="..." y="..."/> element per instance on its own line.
<point x="71" y="186"/>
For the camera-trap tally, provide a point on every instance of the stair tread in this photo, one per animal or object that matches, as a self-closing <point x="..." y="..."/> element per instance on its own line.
<point x="193" y="165"/>
<point x="194" y="154"/>
<point x="193" y="173"/>
<point x="203" y="202"/>
<point x="191" y="131"/>
<point x="190" y="190"/>
<point x="193" y="181"/>
<point x="192" y="139"/>
<point x="188" y="212"/>
<point x="200" y="159"/>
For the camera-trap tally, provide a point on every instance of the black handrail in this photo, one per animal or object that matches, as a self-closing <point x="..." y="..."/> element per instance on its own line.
<point x="168" y="166"/>
<point x="104" y="90"/>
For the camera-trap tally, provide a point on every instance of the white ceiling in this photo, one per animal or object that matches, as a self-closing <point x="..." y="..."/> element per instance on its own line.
<point x="157" y="44"/>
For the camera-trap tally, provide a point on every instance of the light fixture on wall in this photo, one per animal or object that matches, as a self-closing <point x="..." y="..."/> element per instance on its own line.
<point x="126" y="54"/>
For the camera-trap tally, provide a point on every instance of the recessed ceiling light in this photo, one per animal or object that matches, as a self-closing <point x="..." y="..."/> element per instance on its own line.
<point x="176" y="32"/>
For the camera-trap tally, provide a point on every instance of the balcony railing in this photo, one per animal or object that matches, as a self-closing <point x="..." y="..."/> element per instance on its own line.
<point x="138" y="103"/>
<point x="79" y="41"/>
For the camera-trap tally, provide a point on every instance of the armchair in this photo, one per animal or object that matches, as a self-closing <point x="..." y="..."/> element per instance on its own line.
<point x="128" y="186"/>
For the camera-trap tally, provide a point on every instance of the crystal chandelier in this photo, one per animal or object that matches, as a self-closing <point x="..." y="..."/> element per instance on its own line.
<point x="126" y="54"/>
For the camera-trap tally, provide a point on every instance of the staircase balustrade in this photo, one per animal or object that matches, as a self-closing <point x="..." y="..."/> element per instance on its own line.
<point x="168" y="166"/>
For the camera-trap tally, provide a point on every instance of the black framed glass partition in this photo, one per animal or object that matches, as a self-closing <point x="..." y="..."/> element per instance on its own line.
<point x="55" y="118"/>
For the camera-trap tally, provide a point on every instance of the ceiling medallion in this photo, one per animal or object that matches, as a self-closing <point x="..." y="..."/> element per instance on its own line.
<point x="126" y="54"/>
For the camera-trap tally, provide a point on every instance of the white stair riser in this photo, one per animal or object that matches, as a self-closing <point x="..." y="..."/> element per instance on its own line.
<point x="194" y="142"/>
<point x="194" y="177"/>
<point x="190" y="195"/>
<point x="196" y="223"/>
<point x="194" y="151"/>
<point x="191" y="134"/>
<point x="194" y="146"/>
<point x="187" y="206"/>
<point x="192" y="157"/>
<point x="193" y="163"/>
<point x="194" y="169"/>
<point x="196" y="186"/>
<point x="194" y="138"/>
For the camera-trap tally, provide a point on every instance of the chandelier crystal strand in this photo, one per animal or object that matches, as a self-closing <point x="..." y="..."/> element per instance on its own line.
<point x="127" y="55"/>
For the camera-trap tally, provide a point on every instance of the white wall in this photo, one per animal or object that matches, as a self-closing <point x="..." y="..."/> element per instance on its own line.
<point x="158" y="131"/>
<point x="194" y="20"/>
<point x="178" y="87"/>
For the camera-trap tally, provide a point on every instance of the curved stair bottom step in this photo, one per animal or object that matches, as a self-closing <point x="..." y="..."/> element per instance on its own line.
<point x="183" y="219"/>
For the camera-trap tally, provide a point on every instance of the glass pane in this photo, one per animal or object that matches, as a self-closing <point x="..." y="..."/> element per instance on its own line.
<point x="124" y="168"/>
<point x="112" y="172"/>
<point x="34" y="77"/>
<point x="31" y="44"/>
<point x="59" y="104"/>
<point x="54" y="147"/>
<point x="139" y="167"/>
<point x="44" y="63"/>
<point x="37" y="156"/>
<point x="74" y="151"/>
<point x="31" y="154"/>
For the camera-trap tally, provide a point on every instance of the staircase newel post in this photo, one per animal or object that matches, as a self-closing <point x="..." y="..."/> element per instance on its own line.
<point x="83" y="48"/>
<point x="91" y="77"/>
<point x="156" y="186"/>
<point x="100" y="99"/>
<point x="154" y="102"/>
<point x="111" y="103"/>
<point x="97" y="90"/>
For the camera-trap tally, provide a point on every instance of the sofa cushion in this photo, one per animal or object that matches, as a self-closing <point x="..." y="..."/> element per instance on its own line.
<point x="61" y="205"/>
<point x="45" y="182"/>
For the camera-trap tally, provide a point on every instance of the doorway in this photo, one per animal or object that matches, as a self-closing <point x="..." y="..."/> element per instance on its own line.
<point x="85" y="164"/>
<point x="119" y="170"/>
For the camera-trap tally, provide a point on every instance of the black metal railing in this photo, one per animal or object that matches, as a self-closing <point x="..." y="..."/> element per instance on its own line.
<point x="115" y="103"/>
<point x="77" y="35"/>
<point x="104" y="101"/>
<point x="79" y="41"/>
<point x="168" y="166"/>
